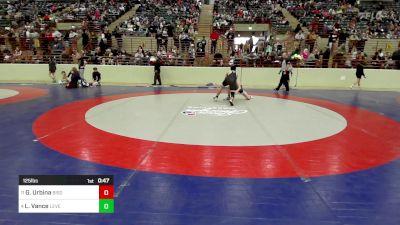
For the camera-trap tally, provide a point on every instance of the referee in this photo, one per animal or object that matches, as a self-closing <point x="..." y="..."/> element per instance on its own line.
<point x="157" y="71"/>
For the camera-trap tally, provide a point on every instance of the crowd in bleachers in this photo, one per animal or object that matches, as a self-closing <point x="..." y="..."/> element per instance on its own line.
<point x="15" y="13"/>
<point x="350" y="22"/>
<point x="384" y="19"/>
<point x="40" y="39"/>
<point x="300" y="43"/>
<point x="339" y="21"/>
<point x="164" y="18"/>
<point x="268" y="51"/>
<point x="358" y="21"/>
<point x="227" y="12"/>
<point x="342" y="22"/>
<point x="104" y="11"/>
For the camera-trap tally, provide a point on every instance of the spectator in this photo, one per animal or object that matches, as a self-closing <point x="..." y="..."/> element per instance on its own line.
<point x="299" y="37"/>
<point x="310" y="41"/>
<point x="192" y="54"/>
<point x="139" y="55"/>
<point x="108" y="37"/>
<point x="85" y="39"/>
<point x="214" y="36"/>
<point x="230" y="36"/>
<point x="118" y="35"/>
<point x="297" y="29"/>
<point x="17" y="54"/>
<point x="268" y="49"/>
<point x="305" y="54"/>
<point x="325" y="58"/>
<point x="332" y="41"/>
<point x="108" y="58"/>
<point x="218" y="59"/>
<point x="311" y="57"/>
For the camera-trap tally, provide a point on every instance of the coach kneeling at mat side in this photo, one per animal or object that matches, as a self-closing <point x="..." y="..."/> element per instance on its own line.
<point x="74" y="78"/>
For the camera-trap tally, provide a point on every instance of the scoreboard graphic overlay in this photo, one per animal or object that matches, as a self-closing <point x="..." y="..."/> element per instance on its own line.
<point x="66" y="194"/>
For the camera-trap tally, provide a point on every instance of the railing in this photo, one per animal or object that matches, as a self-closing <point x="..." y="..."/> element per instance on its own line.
<point x="257" y="62"/>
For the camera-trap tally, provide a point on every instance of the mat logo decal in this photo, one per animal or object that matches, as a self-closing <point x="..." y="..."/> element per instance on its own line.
<point x="212" y="111"/>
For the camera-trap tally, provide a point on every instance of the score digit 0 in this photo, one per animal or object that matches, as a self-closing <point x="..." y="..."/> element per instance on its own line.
<point x="106" y="192"/>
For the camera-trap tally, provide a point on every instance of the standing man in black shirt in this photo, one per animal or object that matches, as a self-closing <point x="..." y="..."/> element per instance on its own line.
<point x="201" y="50"/>
<point x="85" y="39"/>
<point x="82" y="64"/>
<point x="203" y="44"/>
<point x="108" y="37"/>
<point x="159" y="39"/>
<point x="230" y="36"/>
<point x="118" y="36"/>
<point x="333" y="36"/>
<point x="157" y="71"/>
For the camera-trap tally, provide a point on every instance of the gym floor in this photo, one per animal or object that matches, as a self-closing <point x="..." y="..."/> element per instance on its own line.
<point x="180" y="158"/>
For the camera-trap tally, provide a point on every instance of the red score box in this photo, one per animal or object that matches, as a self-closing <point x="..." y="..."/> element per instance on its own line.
<point x="106" y="192"/>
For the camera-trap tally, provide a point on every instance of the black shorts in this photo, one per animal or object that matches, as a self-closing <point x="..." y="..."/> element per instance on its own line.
<point x="233" y="87"/>
<point x="226" y="83"/>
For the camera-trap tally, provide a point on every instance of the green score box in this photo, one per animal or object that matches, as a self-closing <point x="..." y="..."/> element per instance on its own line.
<point x="106" y="205"/>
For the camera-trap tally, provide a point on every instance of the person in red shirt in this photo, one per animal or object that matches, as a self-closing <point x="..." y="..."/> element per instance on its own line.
<point x="53" y="8"/>
<point x="50" y="38"/>
<point x="97" y="14"/>
<point x="214" y="36"/>
<point x="240" y="13"/>
<point x="314" y="25"/>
